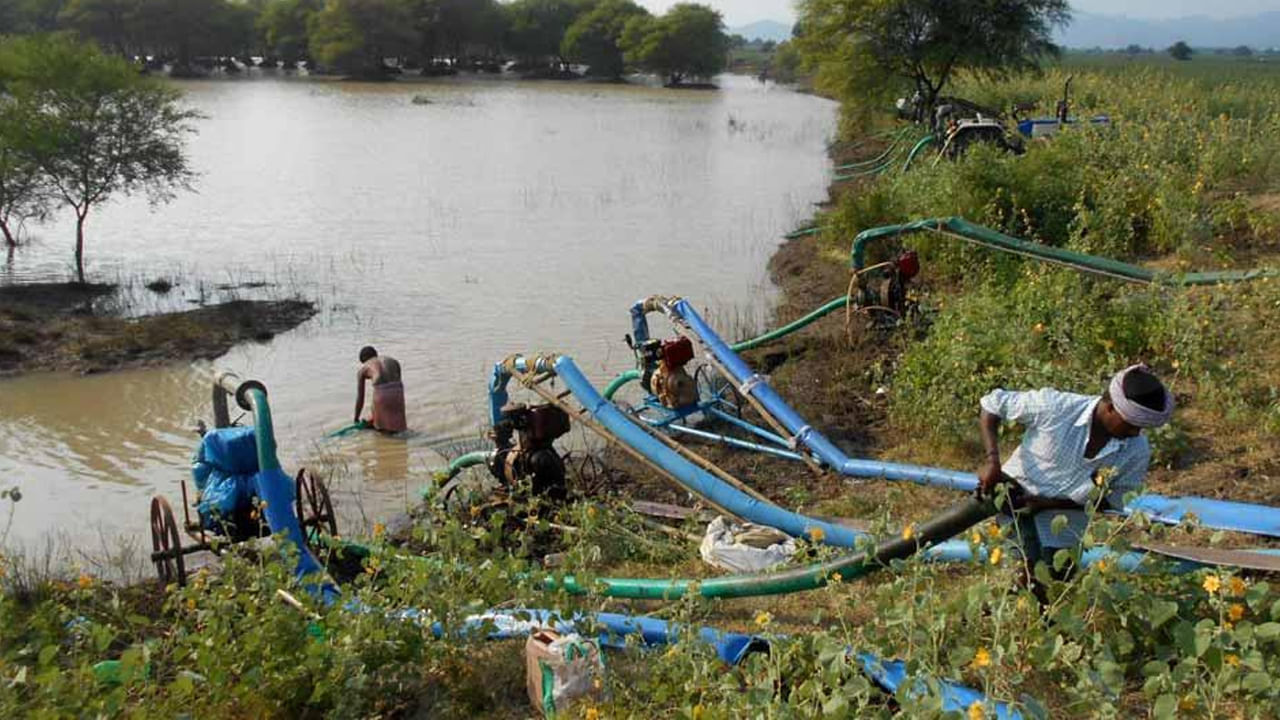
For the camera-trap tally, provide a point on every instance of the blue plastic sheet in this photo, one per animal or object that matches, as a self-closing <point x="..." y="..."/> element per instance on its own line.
<point x="223" y="470"/>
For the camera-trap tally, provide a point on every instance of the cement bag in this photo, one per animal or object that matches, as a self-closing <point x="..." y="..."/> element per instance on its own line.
<point x="745" y="548"/>
<point x="562" y="669"/>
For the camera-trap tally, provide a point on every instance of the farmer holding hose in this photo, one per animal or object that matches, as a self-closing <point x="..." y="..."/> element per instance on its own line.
<point x="1072" y="443"/>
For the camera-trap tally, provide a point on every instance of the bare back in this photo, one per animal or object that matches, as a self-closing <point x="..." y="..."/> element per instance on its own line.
<point x="381" y="369"/>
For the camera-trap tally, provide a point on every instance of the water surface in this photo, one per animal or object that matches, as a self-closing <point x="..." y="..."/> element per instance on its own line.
<point x="487" y="218"/>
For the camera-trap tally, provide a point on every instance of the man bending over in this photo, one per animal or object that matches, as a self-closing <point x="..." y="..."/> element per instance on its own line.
<point x="1070" y="441"/>
<point x="388" y="391"/>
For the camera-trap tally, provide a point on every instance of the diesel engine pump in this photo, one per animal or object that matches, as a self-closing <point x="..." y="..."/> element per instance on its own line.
<point x="884" y="286"/>
<point x="524" y="440"/>
<point x="662" y="371"/>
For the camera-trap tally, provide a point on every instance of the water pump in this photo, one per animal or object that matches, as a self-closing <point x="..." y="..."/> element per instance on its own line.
<point x="884" y="286"/>
<point x="525" y="438"/>
<point x="662" y="371"/>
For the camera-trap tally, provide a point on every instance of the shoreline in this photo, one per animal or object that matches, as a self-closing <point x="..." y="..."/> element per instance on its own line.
<point x="53" y="327"/>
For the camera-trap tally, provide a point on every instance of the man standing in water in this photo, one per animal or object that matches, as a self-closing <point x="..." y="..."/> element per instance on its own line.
<point x="1071" y="442"/>
<point x="388" y="391"/>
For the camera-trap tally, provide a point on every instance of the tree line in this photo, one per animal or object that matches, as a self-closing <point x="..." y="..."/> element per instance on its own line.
<point x="372" y="38"/>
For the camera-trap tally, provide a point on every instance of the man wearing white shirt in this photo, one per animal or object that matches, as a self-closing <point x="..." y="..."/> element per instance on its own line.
<point x="1071" y="442"/>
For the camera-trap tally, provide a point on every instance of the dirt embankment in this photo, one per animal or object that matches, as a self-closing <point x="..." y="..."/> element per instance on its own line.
<point x="54" y="326"/>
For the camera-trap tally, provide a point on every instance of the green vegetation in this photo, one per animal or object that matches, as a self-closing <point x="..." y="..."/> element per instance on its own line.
<point x="865" y="50"/>
<point x="375" y="39"/>
<point x="89" y="127"/>
<point x="593" y="38"/>
<point x="688" y="41"/>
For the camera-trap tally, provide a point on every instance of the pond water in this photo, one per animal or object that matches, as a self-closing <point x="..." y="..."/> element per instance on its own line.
<point x="449" y="224"/>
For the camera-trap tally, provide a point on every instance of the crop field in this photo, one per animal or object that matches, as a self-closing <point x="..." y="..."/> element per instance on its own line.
<point x="1187" y="177"/>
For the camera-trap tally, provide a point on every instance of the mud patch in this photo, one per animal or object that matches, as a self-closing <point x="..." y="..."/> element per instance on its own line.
<point x="48" y="327"/>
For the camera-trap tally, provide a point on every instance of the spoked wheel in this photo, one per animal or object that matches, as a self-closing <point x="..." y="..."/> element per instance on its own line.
<point x="716" y="390"/>
<point x="314" y="506"/>
<point x="166" y="546"/>
<point x="588" y="477"/>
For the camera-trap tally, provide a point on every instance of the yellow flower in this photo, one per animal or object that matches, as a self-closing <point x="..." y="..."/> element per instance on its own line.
<point x="84" y="581"/>
<point x="816" y="534"/>
<point x="379" y="529"/>
<point x="982" y="658"/>
<point x="1232" y="659"/>
<point x="836" y="578"/>
<point x="1235" y="612"/>
<point x="763" y="619"/>
<point x="976" y="712"/>
<point x="1211" y="584"/>
<point x="191" y="603"/>
<point x="995" y="556"/>
<point x="1038" y="328"/>
<point x="976" y="537"/>
<point x="1237" y="586"/>
<point x="591" y="714"/>
<point x="1103" y="565"/>
<point x="908" y="532"/>
<point x="993" y="530"/>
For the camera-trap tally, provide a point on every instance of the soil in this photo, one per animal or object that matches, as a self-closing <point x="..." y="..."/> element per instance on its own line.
<point x="55" y="327"/>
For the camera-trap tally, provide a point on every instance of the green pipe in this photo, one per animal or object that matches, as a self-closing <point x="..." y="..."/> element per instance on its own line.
<point x="949" y="523"/>
<point x="924" y="142"/>
<point x="995" y="240"/>
<point x="864" y="173"/>
<point x="803" y="231"/>
<point x="832" y="305"/>
<point x="873" y="161"/>
<point x="263" y="430"/>
<point x="617" y="383"/>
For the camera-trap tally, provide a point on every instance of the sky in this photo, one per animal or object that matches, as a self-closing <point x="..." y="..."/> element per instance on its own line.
<point x="741" y="12"/>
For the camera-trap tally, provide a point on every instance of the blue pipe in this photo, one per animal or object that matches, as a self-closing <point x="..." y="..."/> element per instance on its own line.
<point x="805" y="435"/>
<point x="614" y="629"/>
<point x="694" y="478"/>
<point x="735" y="442"/>
<point x="740" y="423"/>
<point x="1215" y="514"/>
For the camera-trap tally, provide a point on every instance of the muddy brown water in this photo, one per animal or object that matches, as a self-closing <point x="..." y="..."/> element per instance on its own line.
<point x="487" y="218"/>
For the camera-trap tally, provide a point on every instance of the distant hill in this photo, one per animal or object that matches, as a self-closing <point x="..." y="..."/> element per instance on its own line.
<point x="1088" y="30"/>
<point x="764" y="30"/>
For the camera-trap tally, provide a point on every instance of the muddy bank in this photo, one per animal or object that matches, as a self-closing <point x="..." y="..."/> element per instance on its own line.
<point x="54" y="326"/>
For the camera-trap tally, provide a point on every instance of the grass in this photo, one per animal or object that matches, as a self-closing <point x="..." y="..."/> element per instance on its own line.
<point x="1187" y="177"/>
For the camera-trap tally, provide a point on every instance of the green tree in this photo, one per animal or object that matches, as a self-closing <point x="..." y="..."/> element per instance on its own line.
<point x="25" y="193"/>
<point x="687" y="41"/>
<point x="187" y="29"/>
<point x="1180" y="51"/>
<point x="536" y="28"/>
<point x="786" y="62"/>
<point x="593" y="38"/>
<point x="865" y="49"/>
<point x="283" y="26"/>
<point x="110" y="22"/>
<point x="94" y="126"/>
<point x="355" y="36"/>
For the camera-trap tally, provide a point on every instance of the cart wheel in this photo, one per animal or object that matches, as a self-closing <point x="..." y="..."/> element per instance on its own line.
<point x="716" y="390"/>
<point x="313" y="505"/>
<point x="166" y="546"/>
